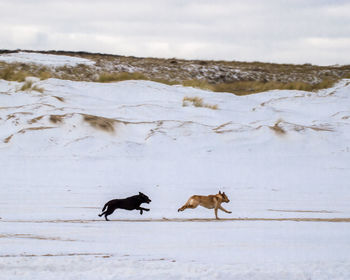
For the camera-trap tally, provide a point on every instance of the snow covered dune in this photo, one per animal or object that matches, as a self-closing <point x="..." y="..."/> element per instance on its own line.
<point x="281" y="156"/>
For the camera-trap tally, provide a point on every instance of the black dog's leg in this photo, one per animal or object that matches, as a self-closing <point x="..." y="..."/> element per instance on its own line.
<point x="104" y="208"/>
<point x="109" y="212"/>
<point x="142" y="209"/>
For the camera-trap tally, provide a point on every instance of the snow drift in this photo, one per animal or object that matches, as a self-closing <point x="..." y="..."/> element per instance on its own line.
<point x="278" y="155"/>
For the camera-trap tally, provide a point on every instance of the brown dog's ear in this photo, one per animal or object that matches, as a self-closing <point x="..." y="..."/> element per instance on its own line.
<point x="219" y="192"/>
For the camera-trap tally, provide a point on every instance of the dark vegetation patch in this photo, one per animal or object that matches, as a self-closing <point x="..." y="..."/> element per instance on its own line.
<point x="102" y="123"/>
<point x="56" y="118"/>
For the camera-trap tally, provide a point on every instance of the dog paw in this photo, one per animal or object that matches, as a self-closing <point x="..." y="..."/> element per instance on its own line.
<point x="229" y="212"/>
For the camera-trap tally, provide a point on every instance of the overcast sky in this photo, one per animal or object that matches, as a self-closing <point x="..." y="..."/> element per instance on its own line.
<point x="293" y="31"/>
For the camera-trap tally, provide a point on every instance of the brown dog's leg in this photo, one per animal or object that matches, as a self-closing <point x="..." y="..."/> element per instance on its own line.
<point x="217" y="205"/>
<point x="182" y="208"/>
<point x="216" y="213"/>
<point x="191" y="203"/>
<point x="223" y="209"/>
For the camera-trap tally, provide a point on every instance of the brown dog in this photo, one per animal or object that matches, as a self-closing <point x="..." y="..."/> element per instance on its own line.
<point x="210" y="202"/>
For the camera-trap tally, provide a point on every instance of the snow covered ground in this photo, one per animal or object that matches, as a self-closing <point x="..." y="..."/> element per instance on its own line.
<point x="44" y="59"/>
<point x="283" y="158"/>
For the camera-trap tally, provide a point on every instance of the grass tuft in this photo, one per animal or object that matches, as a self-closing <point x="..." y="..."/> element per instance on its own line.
<point x="56" y="118"/>
<point x="105" y="124"/>
<point x="38" y="89"/>
<point x="197" y="102"/>
<point x="28" y="86"/>
<point x="277" y="128"/>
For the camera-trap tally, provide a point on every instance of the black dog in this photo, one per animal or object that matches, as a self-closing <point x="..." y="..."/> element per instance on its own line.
<point x="129" y="203"/>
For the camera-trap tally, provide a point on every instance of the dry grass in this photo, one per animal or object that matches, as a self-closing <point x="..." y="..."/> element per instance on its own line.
<point x="29" y="86"/>
<point x="197" y="102"/>
<point x="24" y="130"/>
<point x="56" y="118"/>
<point x="277" y="129"/>
<point x="165" y="81"/>
<point x="240" y="78"/>
<point x="249" y="87"/>
<point x="59" y="98"/>
<point x="297" y="127"/>
<point x="8" y="139"/>
<point x="35" y="120"/>
<point x="81" y="72"/>
<point x="44" y="75"/>
<point x="11" y="73"/>
<point x="123" y="76"/>
<point x="38" y="89"/>
<point x="202" y="84"/>
<point x="101" y="123"/>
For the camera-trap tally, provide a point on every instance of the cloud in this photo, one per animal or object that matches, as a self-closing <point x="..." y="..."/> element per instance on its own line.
<point x="313" y="31"/>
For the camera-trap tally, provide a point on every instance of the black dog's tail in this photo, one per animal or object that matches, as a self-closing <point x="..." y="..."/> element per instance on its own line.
<point x="103" y="209"/>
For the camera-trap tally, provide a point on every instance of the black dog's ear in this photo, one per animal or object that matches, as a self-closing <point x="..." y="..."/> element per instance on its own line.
<point x="140" y="193"/>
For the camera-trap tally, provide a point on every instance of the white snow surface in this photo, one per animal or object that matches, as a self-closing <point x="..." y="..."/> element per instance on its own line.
<point x="44" y="59"/>
<point x="56" y="176"/>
